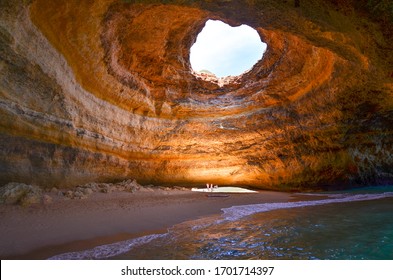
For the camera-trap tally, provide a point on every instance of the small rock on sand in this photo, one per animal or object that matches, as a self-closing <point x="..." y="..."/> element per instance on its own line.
<point x="46" y="199"/>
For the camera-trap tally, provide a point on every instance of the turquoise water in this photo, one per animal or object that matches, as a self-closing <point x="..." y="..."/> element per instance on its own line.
<point x="348" y="225"/>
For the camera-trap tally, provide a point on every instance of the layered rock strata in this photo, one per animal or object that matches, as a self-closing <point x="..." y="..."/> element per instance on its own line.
<point x="103" y="91"/>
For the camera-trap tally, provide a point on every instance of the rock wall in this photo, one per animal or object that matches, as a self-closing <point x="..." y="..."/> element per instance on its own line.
<point x="103" y="91"/>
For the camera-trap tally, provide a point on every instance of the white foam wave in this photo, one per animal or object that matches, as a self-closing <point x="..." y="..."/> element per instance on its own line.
<point x="237" y="212"/>
<point x="109" y="250"/>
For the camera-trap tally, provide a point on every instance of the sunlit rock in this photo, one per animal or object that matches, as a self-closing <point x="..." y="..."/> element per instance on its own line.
<point x="102" y="91"/>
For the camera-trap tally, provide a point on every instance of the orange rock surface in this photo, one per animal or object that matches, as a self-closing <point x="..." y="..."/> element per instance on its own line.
<point x="103" y="90"/>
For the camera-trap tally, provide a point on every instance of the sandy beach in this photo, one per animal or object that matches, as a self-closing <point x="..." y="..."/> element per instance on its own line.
<point x="41" y="231"/>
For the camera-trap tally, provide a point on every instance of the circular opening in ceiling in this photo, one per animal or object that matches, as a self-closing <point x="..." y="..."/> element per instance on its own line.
<point x="221" y="50"/>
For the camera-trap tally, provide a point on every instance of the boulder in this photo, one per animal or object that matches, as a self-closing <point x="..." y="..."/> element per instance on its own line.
<point x="19" y="193"/>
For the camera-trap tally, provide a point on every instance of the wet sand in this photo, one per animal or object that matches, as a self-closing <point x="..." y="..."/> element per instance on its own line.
<point x="42" y="231"/>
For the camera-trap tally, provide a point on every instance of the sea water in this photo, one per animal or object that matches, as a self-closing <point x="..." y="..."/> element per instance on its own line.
<point x="348" y="225"/>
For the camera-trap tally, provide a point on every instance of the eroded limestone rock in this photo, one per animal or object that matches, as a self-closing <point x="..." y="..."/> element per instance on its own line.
<point x="100" y="91"/>
<point x="18" y="193"/>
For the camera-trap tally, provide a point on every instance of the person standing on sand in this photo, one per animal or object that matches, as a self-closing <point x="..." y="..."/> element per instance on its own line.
<point x="210" y="187"/>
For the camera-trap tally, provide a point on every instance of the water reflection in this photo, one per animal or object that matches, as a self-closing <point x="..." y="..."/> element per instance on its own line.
<point x="354" y="230"/>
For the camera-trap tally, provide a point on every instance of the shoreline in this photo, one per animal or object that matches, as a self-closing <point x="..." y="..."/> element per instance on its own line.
<point x="42" y="231"/>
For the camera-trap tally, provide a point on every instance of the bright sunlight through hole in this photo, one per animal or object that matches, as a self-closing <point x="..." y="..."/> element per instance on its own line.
<point x="226" y="51"/>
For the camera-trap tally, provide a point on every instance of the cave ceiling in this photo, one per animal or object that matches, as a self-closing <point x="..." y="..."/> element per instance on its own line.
<point x="103" y="91"/>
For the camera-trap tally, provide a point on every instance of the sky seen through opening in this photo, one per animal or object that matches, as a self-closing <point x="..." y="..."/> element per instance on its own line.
<point x="225" y="50"/>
